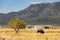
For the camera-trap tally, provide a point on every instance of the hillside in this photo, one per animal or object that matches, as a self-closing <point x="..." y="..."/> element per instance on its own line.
<point x="43" y="13"/>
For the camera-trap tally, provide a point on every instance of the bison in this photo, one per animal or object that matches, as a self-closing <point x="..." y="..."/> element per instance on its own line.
<point x="40" y="31"/>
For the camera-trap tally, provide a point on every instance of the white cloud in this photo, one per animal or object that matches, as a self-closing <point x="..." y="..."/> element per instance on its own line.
<point x="35" y="2"/>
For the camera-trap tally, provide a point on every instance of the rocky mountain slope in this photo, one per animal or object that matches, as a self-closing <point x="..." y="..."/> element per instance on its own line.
<point x="43" y="13"/>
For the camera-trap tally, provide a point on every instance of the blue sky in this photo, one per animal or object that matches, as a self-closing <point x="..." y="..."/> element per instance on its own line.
<point x="17" y="5"/>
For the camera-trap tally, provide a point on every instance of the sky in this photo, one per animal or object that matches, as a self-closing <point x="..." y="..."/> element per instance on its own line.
<point x="7" y="6"/>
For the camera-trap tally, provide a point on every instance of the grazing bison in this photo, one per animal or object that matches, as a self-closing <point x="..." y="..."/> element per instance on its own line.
<point x="40" y="31"/>
<point x="46" y="27"/>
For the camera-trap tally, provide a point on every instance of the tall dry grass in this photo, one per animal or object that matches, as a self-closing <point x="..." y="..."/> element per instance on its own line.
<point x="29" y="34"/>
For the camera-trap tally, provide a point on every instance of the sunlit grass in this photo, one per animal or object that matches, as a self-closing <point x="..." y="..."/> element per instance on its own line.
<point x="30" y="34"/>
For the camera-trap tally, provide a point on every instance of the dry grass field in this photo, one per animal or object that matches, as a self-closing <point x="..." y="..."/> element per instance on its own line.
<point x="29" y="34"/>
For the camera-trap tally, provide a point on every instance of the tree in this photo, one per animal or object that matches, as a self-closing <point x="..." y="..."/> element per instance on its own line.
<point x="16" y="24"/>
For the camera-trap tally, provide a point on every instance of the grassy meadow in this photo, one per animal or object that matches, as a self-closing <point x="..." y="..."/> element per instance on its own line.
<point x="29" y="34"/>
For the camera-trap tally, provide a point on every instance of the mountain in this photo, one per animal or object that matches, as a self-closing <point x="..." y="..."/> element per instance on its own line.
<point x="43" y="13"/>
